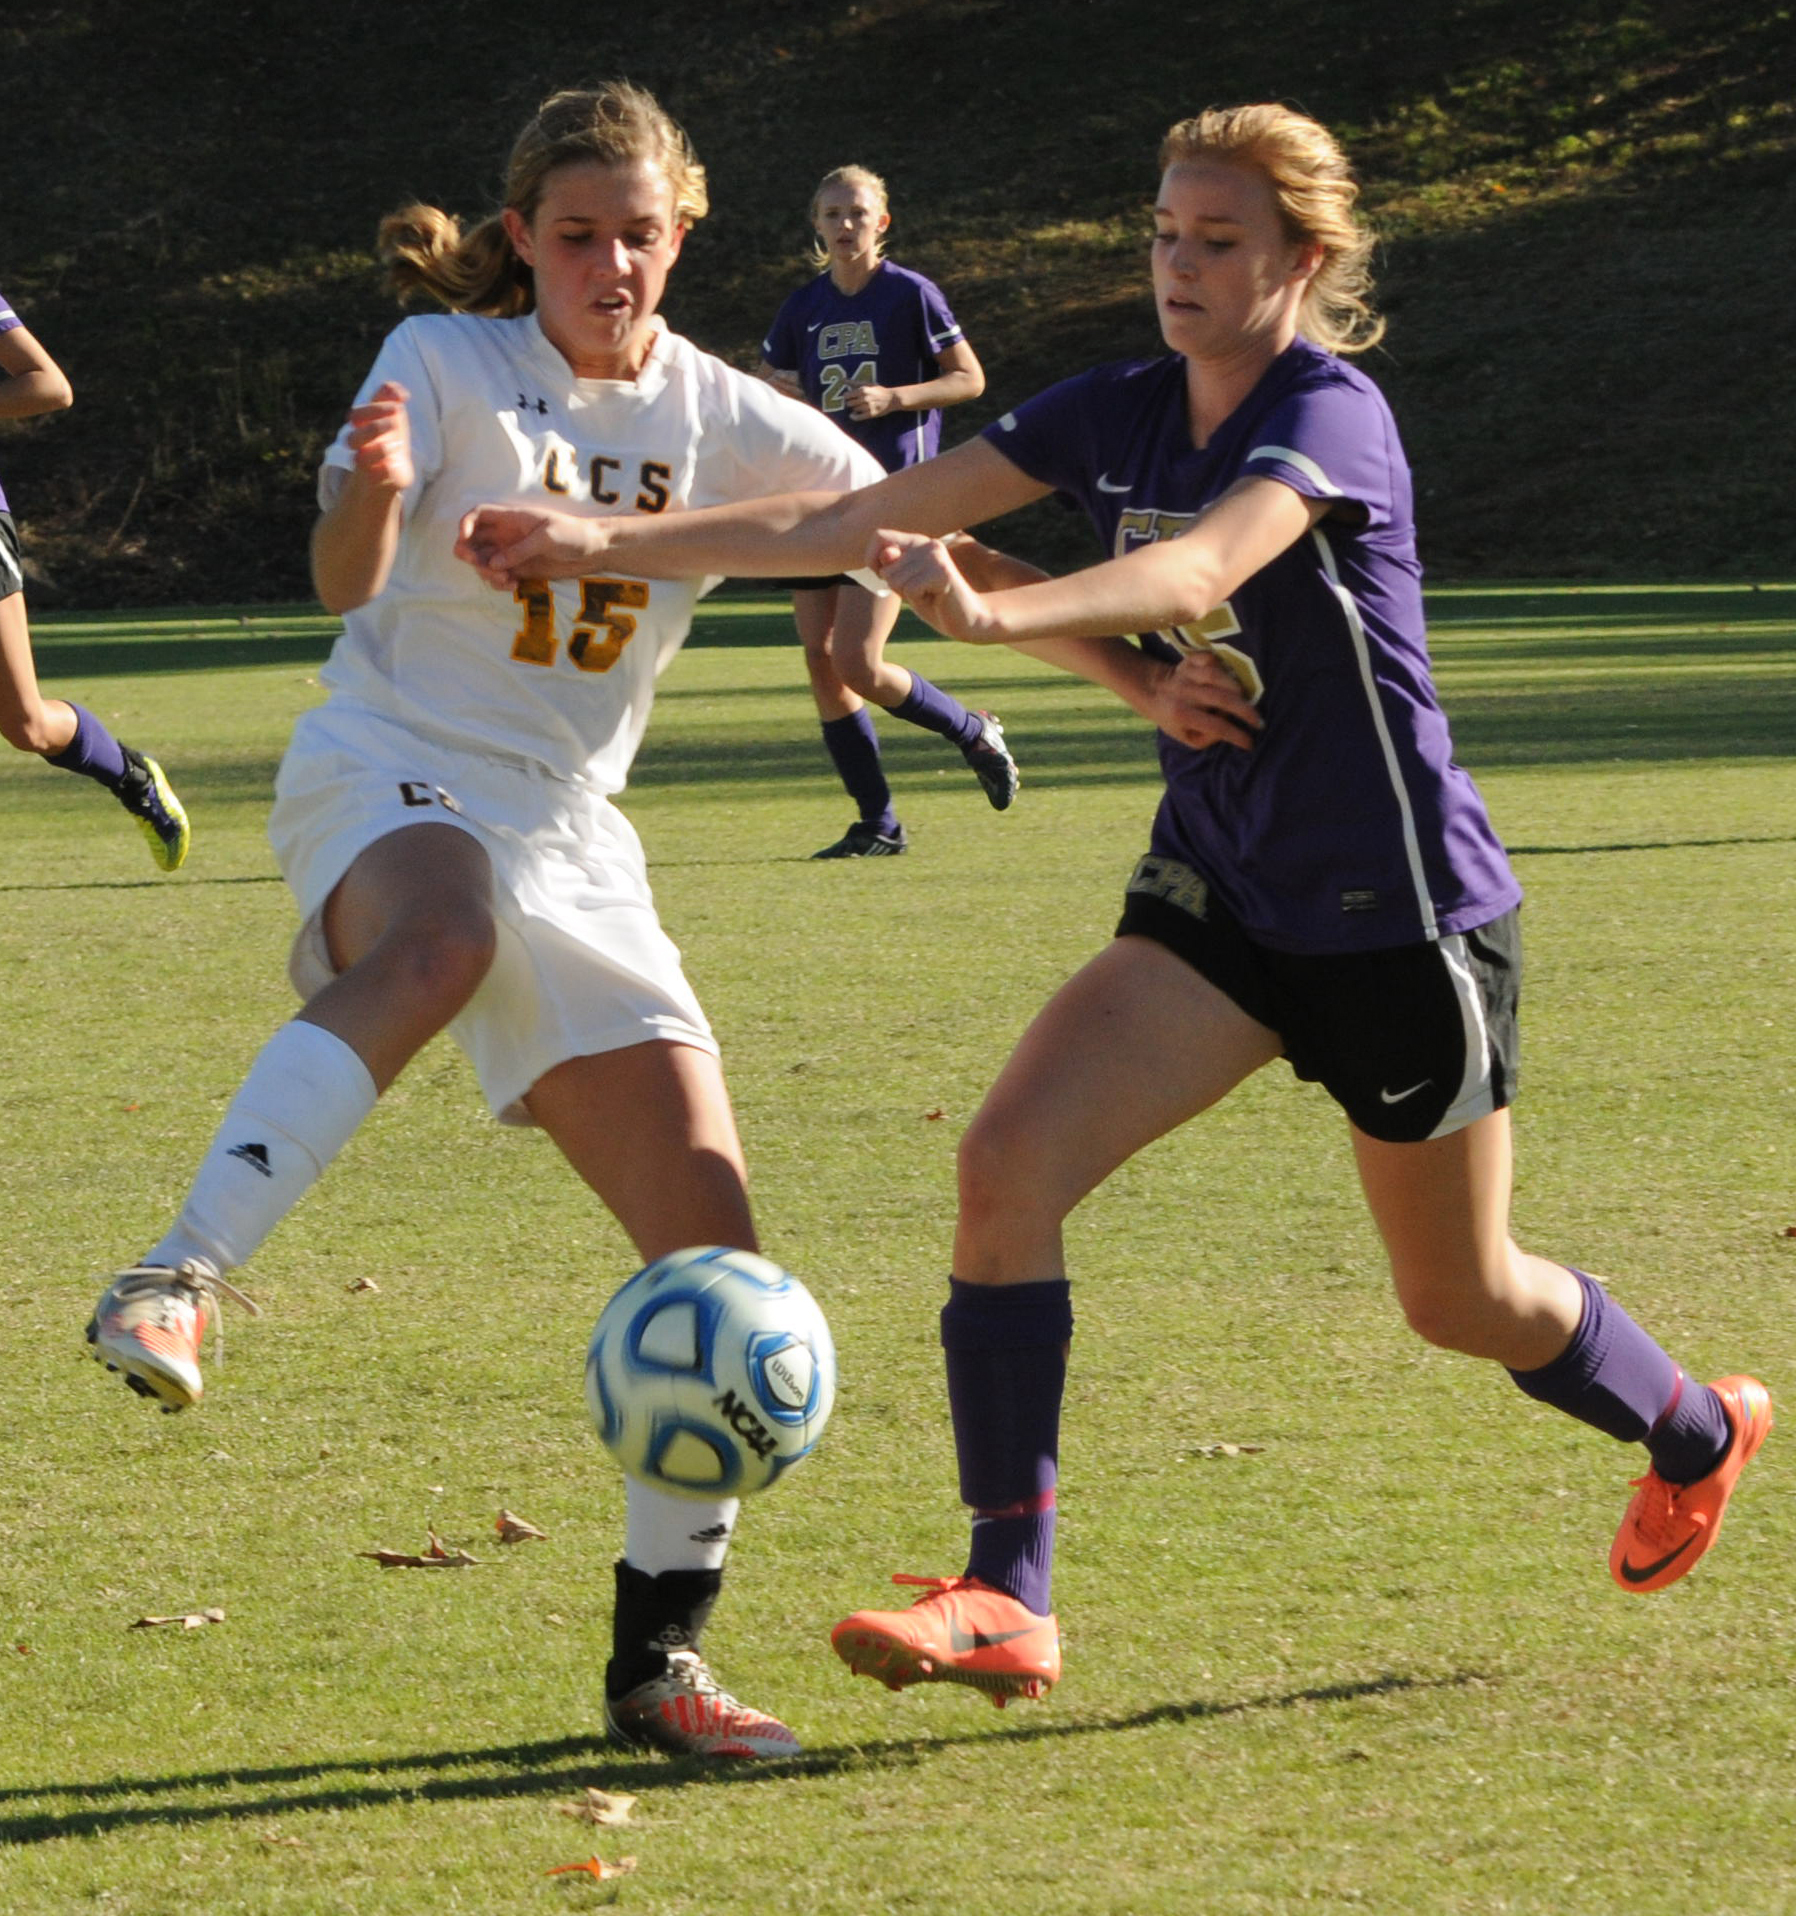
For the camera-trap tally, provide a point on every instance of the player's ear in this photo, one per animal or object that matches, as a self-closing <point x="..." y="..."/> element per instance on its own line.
<point x="678" y="240"/>
<point x="517" y="230"/>
<point x="1309" y="260"/>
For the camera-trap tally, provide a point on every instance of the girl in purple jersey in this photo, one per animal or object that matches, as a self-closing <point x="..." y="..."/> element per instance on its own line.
<point x="1322" y="882"/>
<point x="62" y="733"/>
<point x="875" y="348"/>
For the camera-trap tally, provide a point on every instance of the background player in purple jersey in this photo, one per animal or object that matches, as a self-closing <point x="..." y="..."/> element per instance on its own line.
<point x="66" y="735"/>
<point x="874" y="347"/>
<point x="1322" y="883"/>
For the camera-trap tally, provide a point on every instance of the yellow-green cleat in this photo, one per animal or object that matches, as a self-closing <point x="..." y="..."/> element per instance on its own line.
<point x="150" y="799"/>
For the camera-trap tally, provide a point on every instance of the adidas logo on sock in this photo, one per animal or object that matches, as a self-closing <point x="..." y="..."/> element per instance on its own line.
<point x="718" y="1533"/>
<point x="254" y="1155"/>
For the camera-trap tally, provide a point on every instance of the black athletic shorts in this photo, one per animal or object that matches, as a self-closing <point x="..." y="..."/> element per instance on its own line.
<point x="1414" y="1041"/>
<point x="12" y="570"/>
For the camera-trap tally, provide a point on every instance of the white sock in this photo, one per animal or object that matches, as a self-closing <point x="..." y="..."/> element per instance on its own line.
<point x="304" y="1096"/>
<point x="664" y="1532"/>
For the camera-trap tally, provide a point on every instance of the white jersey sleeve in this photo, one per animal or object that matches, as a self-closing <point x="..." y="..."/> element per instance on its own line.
<point x="401" y="361"/>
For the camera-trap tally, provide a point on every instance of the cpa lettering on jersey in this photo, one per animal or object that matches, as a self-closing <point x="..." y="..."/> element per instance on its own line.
<point x="846" y="337"/>
<point x="1146" y="526"/>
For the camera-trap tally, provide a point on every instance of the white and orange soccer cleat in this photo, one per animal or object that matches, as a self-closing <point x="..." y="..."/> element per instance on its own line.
<point x="150" y="1321"/>
<point x="684" y="1712"/>
<point x="963" y="1631"/>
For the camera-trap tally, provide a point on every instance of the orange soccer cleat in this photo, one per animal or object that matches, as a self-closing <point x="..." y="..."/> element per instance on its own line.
<point x="963" y="1631"/>
<point x="1668" y="1526"/>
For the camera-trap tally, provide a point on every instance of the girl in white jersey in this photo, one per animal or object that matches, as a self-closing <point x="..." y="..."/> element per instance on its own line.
<point x="1256" y="502"/>
<point x="445" y="817"/>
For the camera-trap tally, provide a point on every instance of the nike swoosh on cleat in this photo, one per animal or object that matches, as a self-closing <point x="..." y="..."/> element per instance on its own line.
<point x="959" y="1639"/>
<point x="1646" y="1572"/>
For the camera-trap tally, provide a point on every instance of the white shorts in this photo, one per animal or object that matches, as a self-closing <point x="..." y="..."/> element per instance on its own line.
<point x="582" y="964"/>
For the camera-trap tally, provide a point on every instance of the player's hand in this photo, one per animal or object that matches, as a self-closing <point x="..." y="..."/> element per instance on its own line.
<point x="925" y="577"/>
<point x="871" y="402"/>
<point x="507" y="543"/>
<point x="1200" y="702"/>
<point x="380" y="436"/>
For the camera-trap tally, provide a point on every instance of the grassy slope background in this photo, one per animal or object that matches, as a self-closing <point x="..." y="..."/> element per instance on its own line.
<point x="1585" y="206"/>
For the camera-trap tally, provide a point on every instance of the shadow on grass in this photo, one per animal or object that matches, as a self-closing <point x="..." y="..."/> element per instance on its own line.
<point x="566" y="1765"/>
<point x="146" y="884"/>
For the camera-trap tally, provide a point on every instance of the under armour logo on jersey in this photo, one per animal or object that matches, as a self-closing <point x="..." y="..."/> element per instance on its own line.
<point x="254" y="1155"/>
<point x="538" y="405"/>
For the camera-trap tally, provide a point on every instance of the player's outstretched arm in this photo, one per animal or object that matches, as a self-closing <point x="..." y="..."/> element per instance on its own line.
<point x="34" y="383"/>
<point x="794" y="534"/>
<point x="1174" y="582"/>
<point x="357" y="536"/>
<point x="1197" y="701"/>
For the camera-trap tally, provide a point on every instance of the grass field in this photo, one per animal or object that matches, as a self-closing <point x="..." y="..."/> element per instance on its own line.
<point x="1373" y="1661"/>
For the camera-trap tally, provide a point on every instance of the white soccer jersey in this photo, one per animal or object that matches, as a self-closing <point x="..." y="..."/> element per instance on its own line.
<point x="562" y="674"/>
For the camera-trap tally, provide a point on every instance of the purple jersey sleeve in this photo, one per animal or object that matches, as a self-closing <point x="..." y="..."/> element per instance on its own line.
<point x="8" y="318"/>
<point x="783" y="348"/>
<point x="1329" y="441"/>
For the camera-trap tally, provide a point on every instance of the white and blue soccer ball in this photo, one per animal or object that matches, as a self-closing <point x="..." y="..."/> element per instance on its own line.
<point x="711" y="1373"/>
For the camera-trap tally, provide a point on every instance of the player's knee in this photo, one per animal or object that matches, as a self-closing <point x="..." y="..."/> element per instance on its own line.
<point x="27" y="732"/>
<point x="1454" y="1317"/>
<point x="1002" y="1169"/>
<point x="442" y="959"/>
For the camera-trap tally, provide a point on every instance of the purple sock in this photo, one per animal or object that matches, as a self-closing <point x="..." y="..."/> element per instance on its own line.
<point x="93" y="751"/>
<point x="1006" y="1353"/>
<point x="1614" y="1377"/>
<point x="853" y="746"/>
<point x="937" y="711"/>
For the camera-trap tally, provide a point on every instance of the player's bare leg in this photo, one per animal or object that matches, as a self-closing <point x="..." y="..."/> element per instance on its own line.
<point x="411" y="928"/>
<point x="848" y="733"/>
<point x="650" y="1129"/>
<point x="863" y="624"/>
<point x="1131" y="1047"/>
<point x="1442" y="1207"/>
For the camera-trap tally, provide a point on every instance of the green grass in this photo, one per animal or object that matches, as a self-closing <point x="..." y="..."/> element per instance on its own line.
<point x="1376" y="1664"/>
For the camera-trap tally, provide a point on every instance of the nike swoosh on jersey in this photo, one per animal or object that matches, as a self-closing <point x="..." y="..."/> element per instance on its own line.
<point x="959" y="1639"/>
<point x="1647" y="1571"/>
<point x="1397" y="1097"/>
<point x="1104" y="484"/>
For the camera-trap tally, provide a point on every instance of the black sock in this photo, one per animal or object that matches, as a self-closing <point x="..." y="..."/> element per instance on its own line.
<point x="653" y="1616"/>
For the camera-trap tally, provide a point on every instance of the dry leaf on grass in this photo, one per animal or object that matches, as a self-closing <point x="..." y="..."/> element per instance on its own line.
<point x="282" y="1842"/>
<point x="188" y="1620"/>
<point x="513" y="1529"/>
<point x="595" y="1866"/>
<point x="935" y="1116"/>
<point x="437" y="1556"/>
<point x="600" y="1806"/>
<point x="361" y="1284"/>
<point x="1229" y="1450"/>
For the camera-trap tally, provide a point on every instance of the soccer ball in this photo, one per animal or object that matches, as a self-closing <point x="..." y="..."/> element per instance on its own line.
<point x="711" y="1373"/>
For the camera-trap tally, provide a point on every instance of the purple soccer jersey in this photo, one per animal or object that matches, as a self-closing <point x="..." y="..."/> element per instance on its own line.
<point x="1346" y="826"/>
<point x="890" y="333"/>
<point x="8" y="320"/>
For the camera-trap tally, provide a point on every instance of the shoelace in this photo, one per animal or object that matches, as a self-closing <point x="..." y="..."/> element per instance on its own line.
<point x="1659" y="1509"/>
<point x="190" y="1275"/>
<point x="690" y="1671"/>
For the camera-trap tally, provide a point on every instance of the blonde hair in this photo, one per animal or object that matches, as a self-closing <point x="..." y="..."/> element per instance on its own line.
<point x="848" y="176"/>
<point x="478" y="271"/>
<point x="1315" y="191"/>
